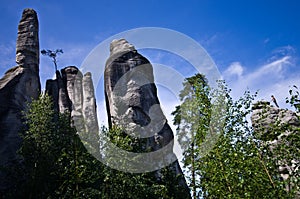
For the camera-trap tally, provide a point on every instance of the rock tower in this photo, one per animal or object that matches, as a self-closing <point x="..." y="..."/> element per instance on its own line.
<point x="74" y="92"/>
<point x="19" y="85"/>
<point x="132" y="103"/>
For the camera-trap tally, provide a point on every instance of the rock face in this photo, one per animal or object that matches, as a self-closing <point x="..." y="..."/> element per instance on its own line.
<point x="28" y="41"/>
<point x="132" y="102"/>
<point x="57" y="89"/>
<point x="265" y="116"/>
<point x="74" y="93"/>
<point x="18" y="86"/>
<point x="284" y="124"/>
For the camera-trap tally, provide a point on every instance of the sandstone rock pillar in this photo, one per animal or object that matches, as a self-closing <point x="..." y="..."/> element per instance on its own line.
<point x="28" y="41"/>
<point x="19" y="85"/>
<point x="132" y="103"/>
<point x="73" y="92"/>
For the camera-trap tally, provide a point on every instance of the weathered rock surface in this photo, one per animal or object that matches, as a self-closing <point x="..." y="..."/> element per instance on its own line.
<point x="275" y="126"/>
<point x="89" y="106"/>
<point x="18" y="86"/>
<point x="266" y="116"/>
<point x="132" y="102"/>
<point x="28" y="41"/>
<point x="74" y="93"/>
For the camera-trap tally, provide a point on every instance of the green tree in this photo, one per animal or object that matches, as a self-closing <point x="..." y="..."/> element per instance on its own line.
<point x="52" y="54"/>
<point x="294" y="100"/>
<point x="239" y="165"/>
<point x="80" y="174"/>
<point x="57" y="165"/>
<point x="119" y="184"/>
<point x="55" y="162"/>
<point x="40" y="148"/>
<point x="236" y="167"/>
<point x="192" y="119"/>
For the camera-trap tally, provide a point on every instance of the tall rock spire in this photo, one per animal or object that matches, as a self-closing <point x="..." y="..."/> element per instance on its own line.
<point x="19" y="86"/>
<point x="132" y="103"/>
<point x="28" y="41"/>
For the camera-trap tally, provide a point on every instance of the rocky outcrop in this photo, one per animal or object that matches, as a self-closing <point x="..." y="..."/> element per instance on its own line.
<point x="266" y="117"/>
<point x="132" y="103"/>
<point x="18" y="86"/>
<point x="278" y="129"/>
<point x="73" y="93"/>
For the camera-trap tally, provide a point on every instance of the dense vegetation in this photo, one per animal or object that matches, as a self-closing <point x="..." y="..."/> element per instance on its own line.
<point x="55" y="164"/>
<point x="238" y="164"/>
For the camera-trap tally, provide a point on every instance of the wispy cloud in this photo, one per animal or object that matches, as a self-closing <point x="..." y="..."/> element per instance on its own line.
<point x="282" y="51"/>
<point x="266" y="41"/>
<point x="7" y="56"/>
<point x="273" y="78"/>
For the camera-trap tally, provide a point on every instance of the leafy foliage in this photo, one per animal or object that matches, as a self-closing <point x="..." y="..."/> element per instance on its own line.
<point x="57" y="165"/>
<point x="192" y="118"/>
<point x="240" y="165"/>
<point x="294" y="100"/>
<point x="150" y="185"/>
<point x="52" y="54"/>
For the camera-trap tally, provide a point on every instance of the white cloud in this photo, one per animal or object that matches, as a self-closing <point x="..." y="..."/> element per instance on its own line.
<point x="235" y="69"/>
<point x="273" y="71"/>
<point x="269" y="79"/>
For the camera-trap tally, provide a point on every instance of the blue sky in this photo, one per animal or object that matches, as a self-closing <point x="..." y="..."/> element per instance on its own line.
<point x="255" y="44"/>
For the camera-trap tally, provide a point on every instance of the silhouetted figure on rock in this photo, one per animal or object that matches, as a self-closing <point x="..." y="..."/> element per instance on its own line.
<point x="274" y="101"/>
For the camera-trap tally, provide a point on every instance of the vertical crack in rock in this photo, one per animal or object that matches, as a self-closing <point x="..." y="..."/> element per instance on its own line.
<point x="74" y="93"/>
<point x="132" y="102"/>
<point x="19" y="85"/>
